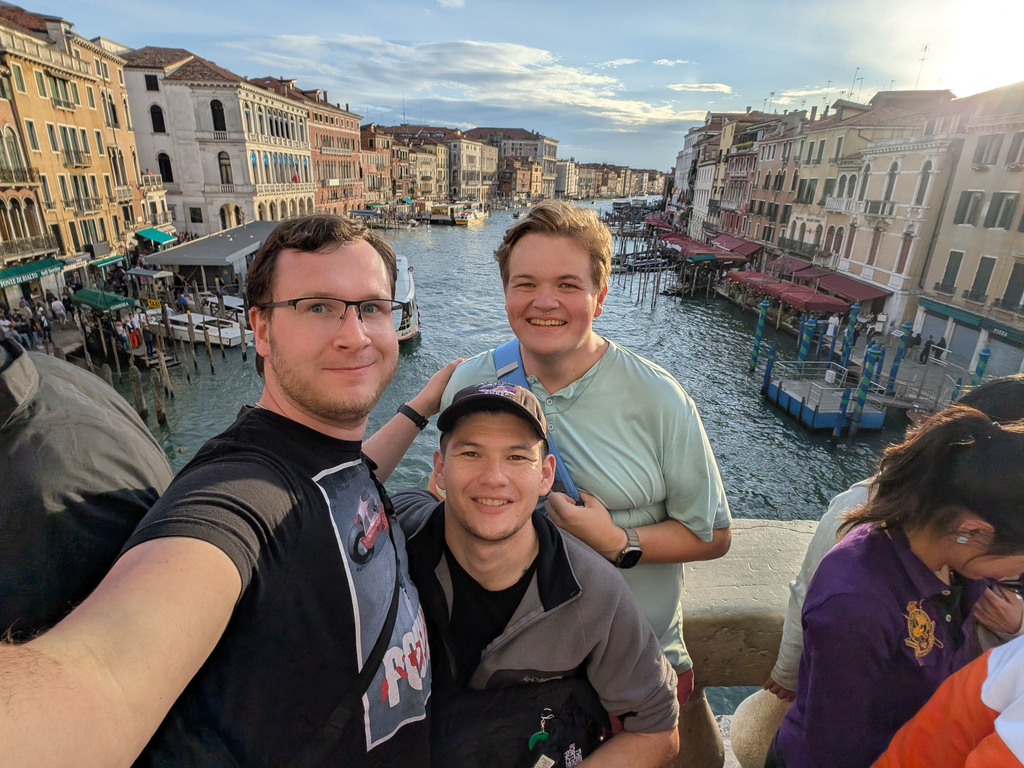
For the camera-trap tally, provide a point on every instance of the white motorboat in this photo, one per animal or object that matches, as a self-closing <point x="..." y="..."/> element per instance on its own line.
<point x="405" y="294"/>
<point x="218" y="330"/>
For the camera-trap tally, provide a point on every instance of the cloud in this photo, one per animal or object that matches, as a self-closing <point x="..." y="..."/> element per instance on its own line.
<point x="671" y="62"/>
<point x="703" y="87"/>
<point x="616" y="63"/>
<point x="462" y="77"/>
<point x="793" y="95"/>
<point x="452" y="3"/>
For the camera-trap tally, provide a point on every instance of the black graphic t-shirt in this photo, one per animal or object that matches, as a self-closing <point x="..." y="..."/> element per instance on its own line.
<point x="299" y="515"/>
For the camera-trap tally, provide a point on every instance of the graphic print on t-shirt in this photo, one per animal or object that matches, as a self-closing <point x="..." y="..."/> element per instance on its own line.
<point x="401" y="687"/>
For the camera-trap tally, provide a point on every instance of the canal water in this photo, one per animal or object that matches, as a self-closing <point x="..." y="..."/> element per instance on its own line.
<point x="772" y="468"/>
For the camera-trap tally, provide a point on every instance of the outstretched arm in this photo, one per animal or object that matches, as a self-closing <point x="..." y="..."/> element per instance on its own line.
<point x="94" y="689"/>
<point x="642" y="750"/>
<point x="388" y="444"/>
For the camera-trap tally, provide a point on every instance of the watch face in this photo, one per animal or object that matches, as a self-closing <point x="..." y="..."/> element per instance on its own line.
<point x="630" y="558"/>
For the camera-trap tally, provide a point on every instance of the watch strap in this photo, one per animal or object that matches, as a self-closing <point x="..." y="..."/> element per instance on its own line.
<point x="416" y="418"/>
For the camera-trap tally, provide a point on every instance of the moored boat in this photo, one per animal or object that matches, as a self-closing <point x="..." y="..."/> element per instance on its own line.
<point x="405" y="294"/>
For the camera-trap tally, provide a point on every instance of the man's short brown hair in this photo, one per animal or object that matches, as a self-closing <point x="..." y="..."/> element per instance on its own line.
<point x="561" y="219"/>
<point x="314" y="233"/>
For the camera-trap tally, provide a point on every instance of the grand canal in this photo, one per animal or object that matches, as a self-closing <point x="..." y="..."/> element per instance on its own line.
<point x="771" y="468"/>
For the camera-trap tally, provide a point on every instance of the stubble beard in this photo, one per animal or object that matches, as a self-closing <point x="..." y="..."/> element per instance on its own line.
<point x="332" y="410"/>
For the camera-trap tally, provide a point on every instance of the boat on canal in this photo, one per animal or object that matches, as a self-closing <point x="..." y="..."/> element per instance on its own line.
<point x="219" y="330"/>
<point x="405" y="294"/>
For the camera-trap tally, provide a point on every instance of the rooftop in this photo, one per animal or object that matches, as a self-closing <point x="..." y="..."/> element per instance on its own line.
<point x="152" y="57"/>
<point x="221" y="249"/>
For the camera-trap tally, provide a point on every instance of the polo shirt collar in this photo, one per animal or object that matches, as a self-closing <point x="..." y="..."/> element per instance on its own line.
<point x="19" y="382"/>
<point x="925" y="581"/>
<point x="572" y="389"/>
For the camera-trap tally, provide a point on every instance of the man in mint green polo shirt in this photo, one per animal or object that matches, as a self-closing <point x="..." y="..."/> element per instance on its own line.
<point x="630" y="437"/>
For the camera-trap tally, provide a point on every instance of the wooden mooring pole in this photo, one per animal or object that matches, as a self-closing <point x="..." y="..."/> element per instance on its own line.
<point x="158" y="394"/>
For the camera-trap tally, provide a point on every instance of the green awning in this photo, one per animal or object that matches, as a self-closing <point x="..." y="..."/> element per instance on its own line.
<point x="107" y="260"/>
<point x="101" y="300"/>
<point x="375" y="205"/>
<point x="700" y="258"/>
<point x="158" y="237"/>
<point x="407" y="200"/>
<point x="31" y="271"/>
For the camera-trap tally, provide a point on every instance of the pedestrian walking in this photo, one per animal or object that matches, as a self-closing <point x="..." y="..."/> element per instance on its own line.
<point x="926" y="350"/>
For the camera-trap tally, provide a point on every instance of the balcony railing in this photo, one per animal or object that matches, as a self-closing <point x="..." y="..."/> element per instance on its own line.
<point x="49" y="204"/>
<point x="947" y="288"/>
<point x="1009" y="305"/>
<point x="977" y="296"/>
<point x="60" y="103"/>
<point x="24" y="246"/>
<point x="229" y="189"/>
<point x="731" y="205"/>
<point x="153" y="219"/>
<point x="84" y="204"/>
<point x="152" y="181"/>
<point x="18" y="175"/>
<point x="122" y="194"/>
<point x="795" y="246"/>
<point x="879" y="207"/>
<point x="292" y="188"/>
<point x="839" y="204"/>
<point x="76" y="158"/>
<point x="343" y="151"/>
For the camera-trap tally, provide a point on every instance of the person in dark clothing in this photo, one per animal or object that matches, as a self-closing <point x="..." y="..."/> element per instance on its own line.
<point x="926" y="350"/>
<point x="940" y="349"/>
<point x="147" y="337"/>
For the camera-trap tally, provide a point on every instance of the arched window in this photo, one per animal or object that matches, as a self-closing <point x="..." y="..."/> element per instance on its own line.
<point x="817" y="236"/>
<point x="922" y="183"/>
<point x="157" y="116"/>
<point x="217" y="113"/>
<point x="32" y="218"/>
<point x="830" y="238"/>
<point x="865" y="177"/>
<point x="5" y="222"/>
<point x="890" y="181"/>
<point x="255" y="169"/>
<point x="837" y="244"/>
<point x="849" y="242"/>
<point x="259" y="119"/>
<point x="248" y="119"/>
<point x="851" y="188"/>
<point x="225" y="168"/>
<point x="780" y="181"/>
<point x="13" y="150"/>
<point x="841" y="187"/>
<point x="113" y="112"/>
<point x="164" y="164"/>
<point x="901" y="262"/>
<point x="803" y="231"/>
<point x="796" y="178"/>
<point x="127" y="114"/>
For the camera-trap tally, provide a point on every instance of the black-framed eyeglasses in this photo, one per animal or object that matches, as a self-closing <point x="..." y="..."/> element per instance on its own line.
<point x="327" y="313"/>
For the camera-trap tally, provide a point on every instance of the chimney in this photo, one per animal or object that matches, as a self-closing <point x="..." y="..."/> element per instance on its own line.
<point x="748" y="110"/>
<point x="814" y="111"/>
<point x="825" y="113"/>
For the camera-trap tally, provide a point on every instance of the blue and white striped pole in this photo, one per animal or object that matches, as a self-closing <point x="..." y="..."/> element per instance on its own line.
<point x="848" y="339"/>
<point x="759" y="333"/>
<point x="844" y="404"/>
<point x="880" y="364"/>
<point x="901" y="348"/>
<point x="769" y="366"/>
<point x="979" y="371"/>
<point x="870" y="356"/>
<point x="805" y="344"/>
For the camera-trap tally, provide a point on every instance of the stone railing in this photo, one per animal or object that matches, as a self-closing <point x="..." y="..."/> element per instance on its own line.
<point x="733" y="611"/>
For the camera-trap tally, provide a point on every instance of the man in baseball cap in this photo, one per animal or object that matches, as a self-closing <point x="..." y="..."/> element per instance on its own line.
<point x="521" y="616"/>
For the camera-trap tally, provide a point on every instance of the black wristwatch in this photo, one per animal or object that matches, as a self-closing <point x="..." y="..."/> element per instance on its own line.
<point x="420" y="421"/>
<point x="630" y="554"/>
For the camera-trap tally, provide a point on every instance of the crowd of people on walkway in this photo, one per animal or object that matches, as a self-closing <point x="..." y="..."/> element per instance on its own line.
<point x="274" y="605"/>
<point x="31" y="323"/>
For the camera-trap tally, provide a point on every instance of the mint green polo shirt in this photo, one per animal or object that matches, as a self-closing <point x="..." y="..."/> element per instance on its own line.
<point x="631" y="436"/>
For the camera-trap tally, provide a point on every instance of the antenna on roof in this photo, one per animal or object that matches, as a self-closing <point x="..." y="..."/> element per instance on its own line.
<point x="828" y="90"/>
<point x="924" y="55"/>
<point x="856" y="72"/>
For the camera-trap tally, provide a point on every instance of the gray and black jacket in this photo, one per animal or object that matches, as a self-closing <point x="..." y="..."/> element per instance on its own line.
<point x="578" y="612"/>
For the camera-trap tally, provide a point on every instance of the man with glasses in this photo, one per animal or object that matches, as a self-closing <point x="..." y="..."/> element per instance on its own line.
<point x="262" y="612"/>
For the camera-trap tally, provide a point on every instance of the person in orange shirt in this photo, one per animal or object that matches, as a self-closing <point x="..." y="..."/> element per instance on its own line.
<point x="974" y="720"/>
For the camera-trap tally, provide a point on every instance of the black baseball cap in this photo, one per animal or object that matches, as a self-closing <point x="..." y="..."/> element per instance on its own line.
<point x="495" y="396"/>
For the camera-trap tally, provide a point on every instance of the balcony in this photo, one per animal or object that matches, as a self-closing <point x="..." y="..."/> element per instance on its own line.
<point x="1009" y="305"/>
<point x="978" y="297"/>
<point x="879" y="207"/>
<point x="795" y="246"/>
<point x="122" y="194"/>
<point x="228" y="189"/>
<point x="341" y="151"/>
<point x="18" y="176"/>
<point x="330" y="182"/>
<point x="730" y="205"/>
<point x="947" y="288"/>
<point x="25" y="246"/>
<point x="84" y="205"/>
<point x="220" y="136"/>
<point x="76" y="158"/>
<point x="293" y="188"/>
<point x="840" y="204"/>
<point x="60" y="103"/>
<point x="153" y="219"/>
<point x="152" y="182"/>
<point x="49" y="205"/>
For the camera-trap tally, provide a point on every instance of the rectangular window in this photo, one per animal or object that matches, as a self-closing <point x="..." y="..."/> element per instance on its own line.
<point x="30" y="132"/>
<point x="95" y="188"/>
<point x="195" y="215"/>
<point x="106" y="183"/>
<point x="980" y="286"/>
<point x="44" y="189"/>
<point x="40" y="84"/>
<point x="152" y="84"/>
<point x="821" y="151"/>
<point x="968" y="207"/>
<point x="952" y="269"/>
<point x="99" y="143"/>
<point x="85" y="139"/>
<point x="810" y="152"/>
<point x="987" y="151"/>
<point x="1001" y="209"/>
<point x="99" y="67"/>
<point x="786" y="210"/>
<point x="1015" y="287"/>
<point x="74" y="236"/>
<point x="120" y="76"/>
<point x="839" y="149"/>
<point x="90" y="97"/>
<point x="74" y="92"/>
<point x="64" y="189"/>
<point x="51" y="134"/>
<point x="19" y="78"/>
<point x="106" y="72"/>
<point x="802" y="191"/>
<point x="827" y="191"/>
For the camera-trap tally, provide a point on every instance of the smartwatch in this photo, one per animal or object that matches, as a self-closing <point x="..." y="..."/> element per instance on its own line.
<point x="630" y="554"/>
<point x="416" y="418"/>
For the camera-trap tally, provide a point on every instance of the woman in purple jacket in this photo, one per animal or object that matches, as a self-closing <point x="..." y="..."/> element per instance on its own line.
<point x="889" y="612"/>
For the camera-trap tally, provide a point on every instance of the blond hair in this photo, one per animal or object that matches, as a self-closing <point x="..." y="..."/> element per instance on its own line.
<point x="561" y="219"/>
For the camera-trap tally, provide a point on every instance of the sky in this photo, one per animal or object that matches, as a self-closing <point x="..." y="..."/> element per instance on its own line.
<point x="618" y="82"/>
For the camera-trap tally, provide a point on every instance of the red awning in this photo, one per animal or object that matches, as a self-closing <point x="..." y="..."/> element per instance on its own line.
<point x="752" y="279"/>
<point x="787" y="264"/>
<point x="811" y="273"/>
<point x="805" y="298"/>
<point x="657" y="221"/>
<point x="852" y="289"/>
<point x="736" y="245"/>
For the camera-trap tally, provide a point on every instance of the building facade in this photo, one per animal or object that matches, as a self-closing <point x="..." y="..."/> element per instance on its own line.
<point x="517" y="142"/>
<point x="567" y="179"/>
